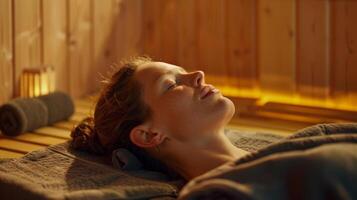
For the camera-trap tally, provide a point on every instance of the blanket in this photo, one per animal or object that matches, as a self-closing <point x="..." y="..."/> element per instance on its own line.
<point x="319" y="162"/>
<point x="59" y="172"/>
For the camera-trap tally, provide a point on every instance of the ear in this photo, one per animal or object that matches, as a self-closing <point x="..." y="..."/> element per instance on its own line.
<point x="143" y="137"/>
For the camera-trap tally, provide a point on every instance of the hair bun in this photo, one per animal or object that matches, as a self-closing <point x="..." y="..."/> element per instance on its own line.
<point x="85" y="137"/>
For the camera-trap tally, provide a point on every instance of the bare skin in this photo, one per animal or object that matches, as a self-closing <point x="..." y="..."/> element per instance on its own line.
<point x="188" y="130"/>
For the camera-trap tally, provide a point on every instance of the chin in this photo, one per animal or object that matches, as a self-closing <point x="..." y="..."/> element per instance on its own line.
<point x="227" y="110"/>
<point x="231" y="109"/>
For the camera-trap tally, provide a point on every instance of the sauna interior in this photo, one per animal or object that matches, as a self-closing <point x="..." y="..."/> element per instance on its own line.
<point x="286" y="64"/>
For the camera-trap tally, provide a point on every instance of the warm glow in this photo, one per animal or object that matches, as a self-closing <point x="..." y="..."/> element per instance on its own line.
<point x="269" y="97"/>
<point x="44" y="87"/>
<point x="36" y="82"/>
<point x="37" y="85"/>
<point x="52" y="79"/>
<point x="30" y="84"/>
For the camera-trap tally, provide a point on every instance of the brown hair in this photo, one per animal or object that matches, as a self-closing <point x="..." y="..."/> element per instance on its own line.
<point x="118" y="109"/>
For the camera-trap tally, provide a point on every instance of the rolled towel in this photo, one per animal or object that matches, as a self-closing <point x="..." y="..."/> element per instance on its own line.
<point x="125" y="160"/>
<point x="25" y="114"/>
<point x="59" y="105"/>
<point x="22" y="114"/>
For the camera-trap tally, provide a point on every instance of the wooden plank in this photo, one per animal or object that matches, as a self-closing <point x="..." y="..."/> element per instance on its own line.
<point x="133" y="24"/>
<point x="84" y="103"/>
<point x="55" y="40"/>
<point x="103" y="37"/>
<point x="9" y="154"/>
<point x="241" y="43"/>
<point x="343" y="51"/>
<point x="83" y="110"/>
<point x="187" y="37"/>
<point x="312" y="68"/>
<point x="80" y="47"/>
<point x="53" y="132"/>
<point x="276" y="44"/>
<point x="36" y="139"/>
<point x="127" y="29"/>
<point x="17" y="146"/>
<point x="65" y="125"/>
<point x="254" y="122"/>
<point x="244" y="127"/>
<point x="151" y="33"/>
<point x="27" y="37"/>
<point x="211" y="24"/>
<point x="77" y="117"/>
<point x="168" y="28"/>
<point x="6" y="54"/>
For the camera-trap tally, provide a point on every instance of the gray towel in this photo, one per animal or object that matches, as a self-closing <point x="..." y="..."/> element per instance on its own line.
<point x="25" y="114"/>
<point x="59" y="172"/>
<point x="22" y="114"/>
<point x="318" y="162"/>
<point x="59" y="105"/>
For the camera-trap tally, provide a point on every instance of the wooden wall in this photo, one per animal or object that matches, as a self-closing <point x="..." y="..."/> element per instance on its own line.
<point x="280" y="50"/>
<point x="301" y="51"/>
<point x="80" y="38"/>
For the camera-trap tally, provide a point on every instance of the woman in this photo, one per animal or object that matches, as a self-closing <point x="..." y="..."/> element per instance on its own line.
<point x="169" y="118"/>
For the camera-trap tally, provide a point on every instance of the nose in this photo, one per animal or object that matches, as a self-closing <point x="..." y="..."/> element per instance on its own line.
<point x="198" y="78"/>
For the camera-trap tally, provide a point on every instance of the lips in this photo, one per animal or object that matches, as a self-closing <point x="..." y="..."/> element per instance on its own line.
<point x="207" y="90"/>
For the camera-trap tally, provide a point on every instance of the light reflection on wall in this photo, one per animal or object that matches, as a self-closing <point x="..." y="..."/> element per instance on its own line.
<point x="228" y="88"/>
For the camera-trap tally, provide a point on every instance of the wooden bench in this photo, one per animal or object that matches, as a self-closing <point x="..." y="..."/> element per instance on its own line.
<point x="14" y="147"/>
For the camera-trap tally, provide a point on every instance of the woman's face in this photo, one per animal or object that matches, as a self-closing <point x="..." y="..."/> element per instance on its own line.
<point x="174" y="97"/>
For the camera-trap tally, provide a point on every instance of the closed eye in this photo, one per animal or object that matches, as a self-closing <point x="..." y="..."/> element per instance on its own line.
<point x="172" y="86"/>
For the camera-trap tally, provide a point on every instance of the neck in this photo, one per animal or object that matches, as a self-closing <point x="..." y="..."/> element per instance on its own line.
<point x="193" y="160"/>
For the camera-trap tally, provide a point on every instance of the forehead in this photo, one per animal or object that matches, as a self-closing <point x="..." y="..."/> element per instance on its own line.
<point x="148" y="73"/>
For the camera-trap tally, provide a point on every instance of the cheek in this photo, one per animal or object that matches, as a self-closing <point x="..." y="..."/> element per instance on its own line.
<point x="178" y="104"/>
<point x="179" y="101"/>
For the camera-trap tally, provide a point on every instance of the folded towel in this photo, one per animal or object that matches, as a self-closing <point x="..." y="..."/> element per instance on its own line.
<point x="25" y="114"/>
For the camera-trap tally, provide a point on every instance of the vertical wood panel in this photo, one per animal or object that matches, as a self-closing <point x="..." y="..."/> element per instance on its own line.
<point x="307" y="47"/>
<point x="6" y="55"/>
<point x="241" y="41"/>
<point x="127" y="24"/>
<point x="151" y="34"/>
<point x="55" y="40"/>
<point x="187" y="34"/>
<point x="312" y="54"/>
<point x="168" y="28"/>
<point x="80" y="47"/>
<point x="344" y="47"/>
<point x="276" y="39"/>
<point x="211" y="26"/>
<point x="27" y="36"/>
<point x="103" y="37"/>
